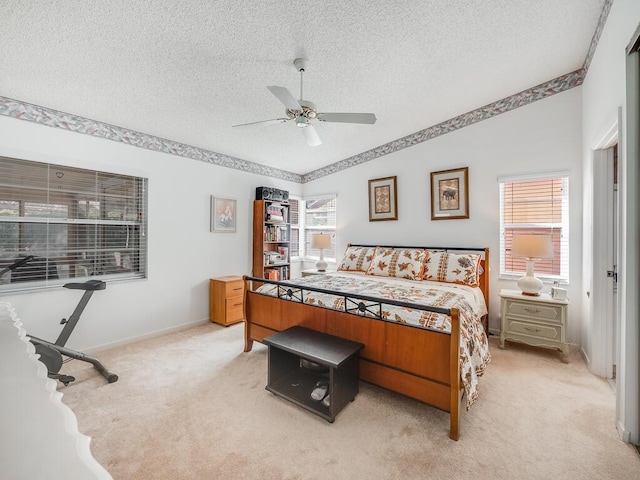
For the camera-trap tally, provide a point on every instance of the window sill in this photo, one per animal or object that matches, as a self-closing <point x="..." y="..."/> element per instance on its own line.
<point x="545" y="280"/>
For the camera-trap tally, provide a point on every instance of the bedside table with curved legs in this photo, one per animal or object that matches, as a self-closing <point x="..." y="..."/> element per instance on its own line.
<point x="538" y="321"/>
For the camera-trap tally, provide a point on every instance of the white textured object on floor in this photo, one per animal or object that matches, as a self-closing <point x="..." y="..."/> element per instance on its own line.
<point x="39" y="435"/>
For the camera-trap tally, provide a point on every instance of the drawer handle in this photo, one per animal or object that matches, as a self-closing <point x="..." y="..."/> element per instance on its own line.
<point x="531" y="310"/>
<point x="531" y="329"/>
<point x="237" y="304"/>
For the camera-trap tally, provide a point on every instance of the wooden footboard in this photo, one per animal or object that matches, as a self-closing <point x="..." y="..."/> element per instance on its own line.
<point x="419" y="363"/>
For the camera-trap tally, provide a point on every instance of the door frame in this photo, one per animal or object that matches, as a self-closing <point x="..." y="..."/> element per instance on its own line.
<point x="628" y="384"/>
<point x="603" y="312"/>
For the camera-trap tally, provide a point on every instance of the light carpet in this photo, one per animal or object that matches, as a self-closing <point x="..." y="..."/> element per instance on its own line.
<point x="192" y="405"/>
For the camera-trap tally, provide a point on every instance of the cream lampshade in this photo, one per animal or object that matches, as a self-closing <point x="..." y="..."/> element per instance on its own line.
<point x="532" y="247"/>
<point x="321" y="241"/>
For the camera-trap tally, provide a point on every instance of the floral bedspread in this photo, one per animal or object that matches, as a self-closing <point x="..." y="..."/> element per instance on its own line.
<point x="474" y="347"/>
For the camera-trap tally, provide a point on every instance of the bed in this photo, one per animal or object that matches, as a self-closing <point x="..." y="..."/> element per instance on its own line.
<point x="421" y="313"/>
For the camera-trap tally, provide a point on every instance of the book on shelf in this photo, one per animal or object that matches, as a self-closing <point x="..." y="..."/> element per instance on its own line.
<point x="272" y="274"/>
<point x="277" y="273"/>
<point x="270" y="257"/>
<point x="276" y="233"/>
<point x="277" y="213"/>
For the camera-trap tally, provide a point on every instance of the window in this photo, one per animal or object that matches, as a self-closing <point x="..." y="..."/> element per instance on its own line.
<point x="75" y="223"/>
<point x="310" y="216"/>
<point x="294" y="220"/>
<point x="535" y="204"/>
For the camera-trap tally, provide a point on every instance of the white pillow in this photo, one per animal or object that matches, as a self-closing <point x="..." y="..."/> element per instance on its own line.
<point x="463" y="269"/>
<point x="357" y="259"/>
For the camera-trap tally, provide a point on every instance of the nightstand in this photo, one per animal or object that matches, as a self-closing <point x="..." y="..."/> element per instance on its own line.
<point x="538" y="321"/>
<point x="313" y="271"/>
<point x="226" y="295"/>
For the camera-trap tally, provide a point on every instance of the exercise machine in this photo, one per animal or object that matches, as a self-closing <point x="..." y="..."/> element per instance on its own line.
<point x="51" y="353"/>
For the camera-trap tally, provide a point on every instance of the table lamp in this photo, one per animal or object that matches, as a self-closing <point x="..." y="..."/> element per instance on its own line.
<point x="532" y="247"/>
<point x="321" y="241"/>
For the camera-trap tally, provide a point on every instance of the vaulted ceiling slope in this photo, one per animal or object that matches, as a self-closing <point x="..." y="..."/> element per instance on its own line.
<point x="187" y="71"/>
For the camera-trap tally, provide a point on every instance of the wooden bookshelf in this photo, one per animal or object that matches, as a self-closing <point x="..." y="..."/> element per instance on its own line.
<point x="271" y="240"/>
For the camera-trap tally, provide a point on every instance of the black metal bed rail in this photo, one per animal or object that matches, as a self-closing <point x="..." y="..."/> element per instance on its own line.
<point x="439" y="249"/>
<point x="353" y="303"/>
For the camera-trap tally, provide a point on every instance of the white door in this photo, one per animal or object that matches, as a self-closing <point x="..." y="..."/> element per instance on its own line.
<point x="604" y="313"/>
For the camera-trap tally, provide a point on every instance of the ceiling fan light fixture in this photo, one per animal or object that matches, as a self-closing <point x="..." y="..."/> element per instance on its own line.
<point x="302" y="121"/>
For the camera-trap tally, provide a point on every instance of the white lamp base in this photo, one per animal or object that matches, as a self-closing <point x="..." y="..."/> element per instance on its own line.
<point x="529" y="284"/>
<point x="321" y="265"/>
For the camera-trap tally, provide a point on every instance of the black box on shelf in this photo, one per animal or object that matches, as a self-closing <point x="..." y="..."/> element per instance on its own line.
<point x="270" y="193"/>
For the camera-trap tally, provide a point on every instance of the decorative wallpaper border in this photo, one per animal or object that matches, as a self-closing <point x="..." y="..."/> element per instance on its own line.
<point x="74" y="123"/>
<point x="504" y="105"/>
<point x="53" y="118"/>
<point x="606" y="8"/>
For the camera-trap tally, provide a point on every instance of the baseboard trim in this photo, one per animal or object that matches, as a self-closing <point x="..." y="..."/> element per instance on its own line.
<point x="625" y="435"/>
<point x="585" y="357"/>
<point x="146" y="336"/>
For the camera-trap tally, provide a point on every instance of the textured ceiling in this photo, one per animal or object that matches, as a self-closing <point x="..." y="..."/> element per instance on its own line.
<point x="189" y="70"/>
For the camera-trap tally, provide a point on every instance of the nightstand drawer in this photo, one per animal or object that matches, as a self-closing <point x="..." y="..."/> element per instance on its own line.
<point x="234" y="308"/>
<point x="550" y="332"/>
<point x="540" y="311"/>
<point x="234" y="288"/>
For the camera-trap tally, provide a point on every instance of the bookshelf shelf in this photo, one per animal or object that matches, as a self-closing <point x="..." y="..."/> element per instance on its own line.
<point x="271" y="239"/>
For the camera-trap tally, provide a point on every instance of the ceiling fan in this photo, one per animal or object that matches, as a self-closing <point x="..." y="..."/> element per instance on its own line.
<point x="303" y="112"/>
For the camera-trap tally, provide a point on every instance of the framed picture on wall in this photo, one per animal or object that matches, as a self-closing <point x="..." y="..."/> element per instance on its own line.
<point x="450" y="194"/>
<point x="223" y="214"/>
<point x="383" y="199"/>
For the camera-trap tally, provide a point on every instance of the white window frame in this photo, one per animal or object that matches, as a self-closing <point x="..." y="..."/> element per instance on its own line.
<point x="297" y="257"/>
<point x="563" y="277"/>
<point x="303" y="228"/>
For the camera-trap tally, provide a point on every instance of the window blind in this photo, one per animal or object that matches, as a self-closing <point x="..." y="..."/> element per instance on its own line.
<point x="75" y="223"/>
<point x="320" y="217"/>
<point x="535" y="204"/>
<point x="294" y="220"/>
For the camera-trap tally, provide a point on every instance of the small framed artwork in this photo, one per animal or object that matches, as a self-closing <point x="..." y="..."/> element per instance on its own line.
<point x="223" y="214"/>
<point x="450" y="194"/>
<point x="383" y="199"/>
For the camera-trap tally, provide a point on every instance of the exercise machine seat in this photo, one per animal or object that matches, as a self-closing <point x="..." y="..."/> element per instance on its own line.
<point x="88" y="285"/>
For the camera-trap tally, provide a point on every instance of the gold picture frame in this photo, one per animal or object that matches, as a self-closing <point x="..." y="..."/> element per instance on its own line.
<point x="450" y="194"/>
<point x="383" y="199"/>
<point x="223" y="214"/>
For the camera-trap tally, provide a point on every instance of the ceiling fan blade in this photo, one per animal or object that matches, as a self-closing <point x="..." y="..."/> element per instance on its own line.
<point x="311" y="136"/>
<point x="369" y="118"/>
<point x="263" y="122"/>
<point x="285" y="97"/>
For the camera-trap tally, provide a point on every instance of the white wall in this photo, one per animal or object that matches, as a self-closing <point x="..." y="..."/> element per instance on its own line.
<point x="183" y="253"/>
<point x="604" y="91"/>
<point x="543" y="136"/>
